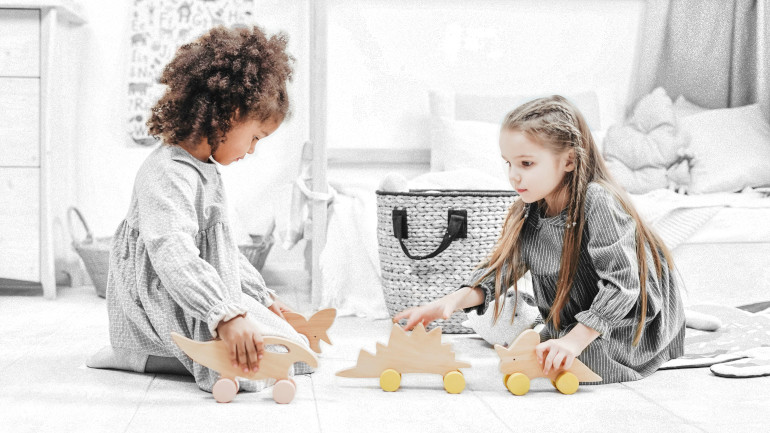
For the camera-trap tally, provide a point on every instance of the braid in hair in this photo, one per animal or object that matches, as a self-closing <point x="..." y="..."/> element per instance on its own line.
<point x="576" y="185"/>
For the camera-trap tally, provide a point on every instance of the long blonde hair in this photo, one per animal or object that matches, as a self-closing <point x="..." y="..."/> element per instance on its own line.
<point x="558" y="125"/>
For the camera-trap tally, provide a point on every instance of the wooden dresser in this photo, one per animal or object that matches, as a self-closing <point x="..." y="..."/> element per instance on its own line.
<point x="36" y="112"/>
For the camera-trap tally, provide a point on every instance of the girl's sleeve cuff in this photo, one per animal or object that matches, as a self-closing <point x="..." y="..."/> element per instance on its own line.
<point x="488" y="296"/>
<point x="269" y="298"/>
<point x="223" y="312"/>
<point x="594" y="321"/>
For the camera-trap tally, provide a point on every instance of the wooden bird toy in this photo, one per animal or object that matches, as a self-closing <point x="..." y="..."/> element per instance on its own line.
<point x="418" y="352"/>
<point x="315" y="328"/>
<point x="214" y="355"/>
<point x="519" y="364"/>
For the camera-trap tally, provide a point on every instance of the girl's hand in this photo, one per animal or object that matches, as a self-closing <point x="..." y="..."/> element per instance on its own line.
<point x="279" y="308"/>
<point x="440" y="309"/>
<point x="556" y="354"/>
<point x="244" y="341"/>
<point x="560" y="352"/>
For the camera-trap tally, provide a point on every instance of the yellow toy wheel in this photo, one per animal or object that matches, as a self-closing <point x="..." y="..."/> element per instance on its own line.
<point x="505" y="380"/>
<point x="566" y="383"/>
<point x="517" y="383"/>
<point x="390" y="380"/>
<point x="454" y="382"/>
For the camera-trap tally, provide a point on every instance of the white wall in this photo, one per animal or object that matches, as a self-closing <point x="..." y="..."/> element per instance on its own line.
<point x="384" y="56"/>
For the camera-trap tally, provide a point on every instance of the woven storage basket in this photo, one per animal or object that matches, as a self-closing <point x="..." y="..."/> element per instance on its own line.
<point x="257" y="251"/>
<point x="431" y="225"/>
<point x="95" y="253"/>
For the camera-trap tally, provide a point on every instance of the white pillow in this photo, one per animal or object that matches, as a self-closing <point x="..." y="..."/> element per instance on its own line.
<point x="684" y="108"/>
<point x="488" y="108"/>
<point x="466" y="144"/>
<point x="480" y="117"/>
<point x="463" y="179"/>
<point x="731" y="148"/>
<point x="599" y="139"/>
<point x="471" y="144"/>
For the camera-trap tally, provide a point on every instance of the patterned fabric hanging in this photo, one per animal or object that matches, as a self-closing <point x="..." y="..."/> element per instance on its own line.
<point x="157" y="28"/>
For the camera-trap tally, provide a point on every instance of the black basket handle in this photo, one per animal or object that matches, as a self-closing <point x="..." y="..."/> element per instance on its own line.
<point x="89" y="236"/>
<point x="457" y="228"/>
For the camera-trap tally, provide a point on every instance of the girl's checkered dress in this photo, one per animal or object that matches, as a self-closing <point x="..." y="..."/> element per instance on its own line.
<point x="175" y="265"/>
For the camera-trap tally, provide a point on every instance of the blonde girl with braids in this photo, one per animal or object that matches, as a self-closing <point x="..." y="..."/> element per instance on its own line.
<point x="604" y="281"/>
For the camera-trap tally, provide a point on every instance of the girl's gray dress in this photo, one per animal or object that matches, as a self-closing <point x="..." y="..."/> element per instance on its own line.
<point x="605" y="293"/>
<point x="175" y="266"/>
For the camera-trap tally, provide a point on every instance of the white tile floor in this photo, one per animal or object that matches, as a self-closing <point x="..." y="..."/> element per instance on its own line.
<point x="45" y="387"/>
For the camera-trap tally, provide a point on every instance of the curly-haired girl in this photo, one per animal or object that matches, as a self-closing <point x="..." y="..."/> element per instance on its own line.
<point x="603" y="279"/>
<point x="175" y="265"/>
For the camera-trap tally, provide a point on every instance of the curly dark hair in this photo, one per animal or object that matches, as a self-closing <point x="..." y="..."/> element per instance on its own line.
<point x="223" y="73"/>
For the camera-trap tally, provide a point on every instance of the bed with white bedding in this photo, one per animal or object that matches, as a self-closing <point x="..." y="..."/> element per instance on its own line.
<point x="727" y="260"/>
<point x="720" y="240"/>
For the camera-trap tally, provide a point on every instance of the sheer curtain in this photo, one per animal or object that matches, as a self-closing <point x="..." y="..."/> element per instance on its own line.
<point x="714" y="52"/>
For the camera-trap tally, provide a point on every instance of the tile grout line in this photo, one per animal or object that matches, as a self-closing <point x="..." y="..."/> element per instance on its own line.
<point x="686" y="422"/>
<point x="10" y="364"/>
<point x="144" y="397"/>
<point x="38" y="345"/>
<point x="483" y="402"/>
<point x="315" y="403"/>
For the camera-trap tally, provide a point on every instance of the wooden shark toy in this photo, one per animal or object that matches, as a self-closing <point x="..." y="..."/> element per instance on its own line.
<point x="215" y="355"/>
<point x="315" y="328"/>
<point x="418" y="352"/>
<point x="519" y="364"/>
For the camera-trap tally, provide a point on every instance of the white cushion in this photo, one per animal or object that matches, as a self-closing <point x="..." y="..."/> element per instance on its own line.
<point x="465" y="128"/>
<point x="464" y="179"/>
<point x="494" y="108"/>
<point x="599" y="136"/>
<point x="731" y="147"/>
<point x="466" y="144"/>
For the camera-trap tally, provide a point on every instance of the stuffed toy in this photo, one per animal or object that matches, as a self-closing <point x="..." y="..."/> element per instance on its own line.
<point x="504" y="332"/>
<point x="648" y="151"/>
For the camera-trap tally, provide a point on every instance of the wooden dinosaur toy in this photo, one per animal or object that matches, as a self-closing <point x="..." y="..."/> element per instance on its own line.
<point x="315" y="328"/>
<point x="418" y="352"/>
<point x="215" y="355"/>
<point x="519" y="364"/>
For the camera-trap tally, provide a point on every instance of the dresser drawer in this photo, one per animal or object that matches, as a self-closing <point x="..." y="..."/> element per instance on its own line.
<point x="20" y="42"/>
<point x="20" y="223"/>
<point x="20" y="122"/>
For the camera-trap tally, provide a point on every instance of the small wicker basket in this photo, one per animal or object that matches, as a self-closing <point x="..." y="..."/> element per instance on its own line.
<point x="430" y="242"/>
<point x="95" y="252"/>
<point x="257" y="251"/>
<point x="260" y="246"/>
